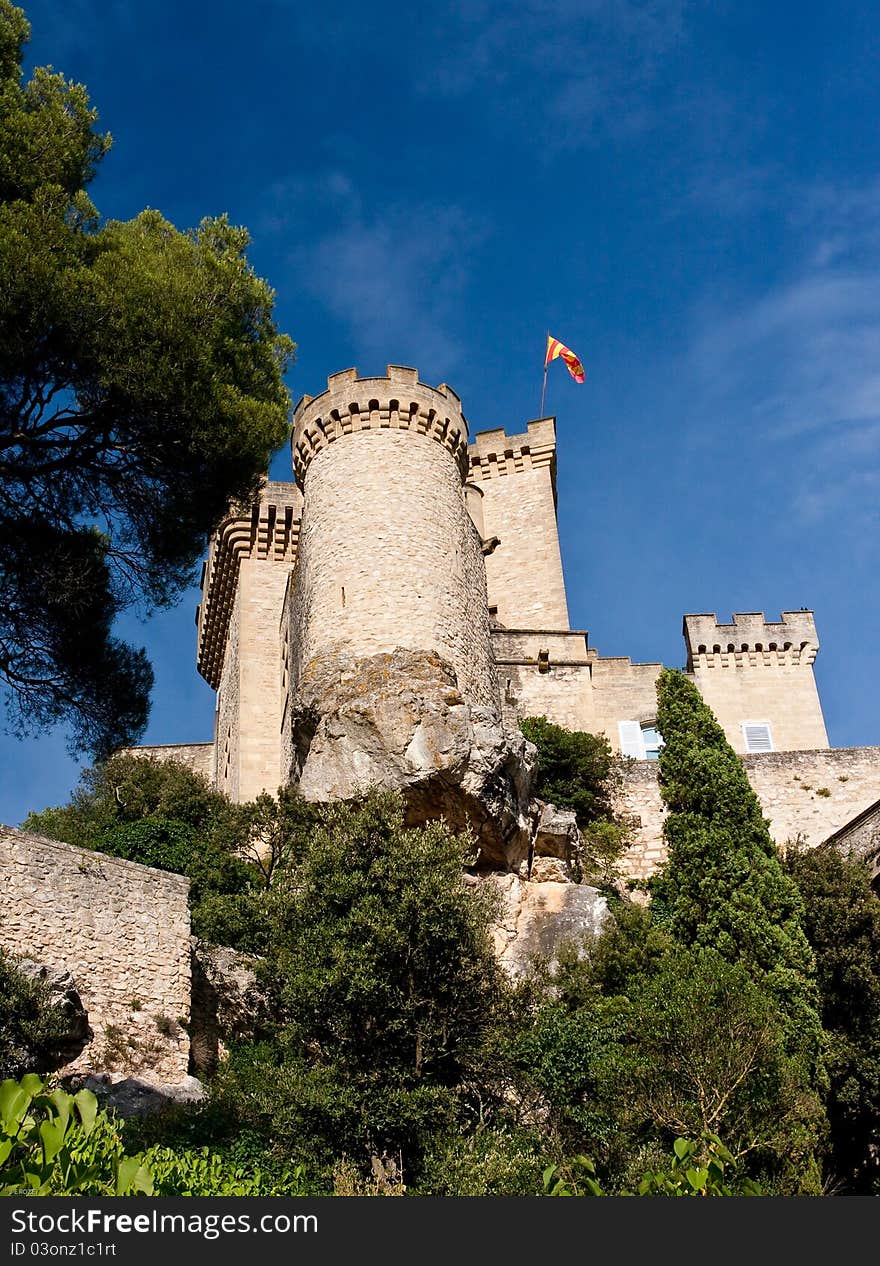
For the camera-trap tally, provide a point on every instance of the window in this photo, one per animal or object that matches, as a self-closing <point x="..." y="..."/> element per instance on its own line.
<point x="757" y="736"/>
<point x="640" y="740"/>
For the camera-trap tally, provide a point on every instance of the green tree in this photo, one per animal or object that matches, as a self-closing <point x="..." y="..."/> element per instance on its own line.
<point x="723" y="886"/>
<point x="385" y="996"/>
<point x="140" y="393"/>
<point x="842" y="922"/>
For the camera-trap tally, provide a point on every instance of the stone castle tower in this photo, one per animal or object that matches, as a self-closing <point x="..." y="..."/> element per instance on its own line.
<point x="391" y="616"/>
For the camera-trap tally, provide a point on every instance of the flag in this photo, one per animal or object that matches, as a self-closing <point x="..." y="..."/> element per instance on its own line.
<point x="555" y="348"/>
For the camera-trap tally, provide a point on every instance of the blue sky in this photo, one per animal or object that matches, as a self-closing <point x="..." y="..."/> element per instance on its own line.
<point x="688" y="194"/>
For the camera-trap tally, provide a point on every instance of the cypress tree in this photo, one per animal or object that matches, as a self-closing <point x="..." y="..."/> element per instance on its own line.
<point x="723" y="886"/>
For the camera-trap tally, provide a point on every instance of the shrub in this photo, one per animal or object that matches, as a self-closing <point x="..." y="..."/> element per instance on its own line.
<point x="31" y="1027"/>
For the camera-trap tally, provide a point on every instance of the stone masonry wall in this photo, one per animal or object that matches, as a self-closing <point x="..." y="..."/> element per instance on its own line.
<point x="515" y="474"/>
<point x="121" y="930"/>
<point x="622" y="691"/>
<point x="389" y="558"/>
<point x="791" y="786"/>
<point x="199" y="757"/>
<point x="544" y="673"/>
<point x="262" y="584"/>
<point x="228" y="701"/>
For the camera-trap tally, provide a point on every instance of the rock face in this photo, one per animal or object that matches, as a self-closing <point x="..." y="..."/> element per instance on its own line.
<point x="225" y="1002"/>
<point x="398" y="721"/>
<point x="143" y="1095"/>
<point x="538" y="917"/>
<point x="65" y="999"/>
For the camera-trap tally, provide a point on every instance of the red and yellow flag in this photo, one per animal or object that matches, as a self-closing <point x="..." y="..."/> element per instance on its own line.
<point x="555" y="348"/>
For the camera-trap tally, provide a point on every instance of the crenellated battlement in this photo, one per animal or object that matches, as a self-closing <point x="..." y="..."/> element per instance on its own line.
<point x="270" y="532"/>
<point x="398" y="402"/>
<point x="750" y="640"/>
<point x="495" y="453"/>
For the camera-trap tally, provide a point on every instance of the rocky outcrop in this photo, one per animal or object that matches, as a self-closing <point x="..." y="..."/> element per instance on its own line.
<point x="74" y="1032"/>
<point x="538" y="916"/>
<point x="143" y="1095"/>
<point x="399" y="722"/>
<point x="225" y="1002"/>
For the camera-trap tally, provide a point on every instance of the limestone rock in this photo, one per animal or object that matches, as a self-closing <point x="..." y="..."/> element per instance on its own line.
<point x="225" y="1002"/>
<point x="537" y="917"/>
<point x="143" y="1095"/>
<point x="398" y="721"/>
<point x="556" y="833"/>
<point x="65" y="998"/>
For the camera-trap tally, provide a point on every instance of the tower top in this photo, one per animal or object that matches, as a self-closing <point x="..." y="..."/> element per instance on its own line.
<point x="398" y="401"/>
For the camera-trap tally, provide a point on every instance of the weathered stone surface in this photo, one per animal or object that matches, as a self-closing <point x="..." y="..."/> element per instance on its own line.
<point x="143" y="1095"/>
<point x="537" y="918"/>
<point x="225" y="1002"/>
<point x="121" y="930"/>
<point x="556" y="833"/>
<point x="398" y="721"/>
<point x="67" y="1002"/>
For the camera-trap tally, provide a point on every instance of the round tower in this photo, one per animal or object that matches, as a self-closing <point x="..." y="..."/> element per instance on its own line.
<point x="389" y="557"/>
<point x="389" y="677"/>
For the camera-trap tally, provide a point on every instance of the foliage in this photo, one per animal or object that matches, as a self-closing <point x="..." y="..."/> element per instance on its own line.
<point x="842" y="922"/>
<point x="126" y="789"/>
<point x="497" y="1160"/>
<point x="697" y="1167"/>
<point x="53" y="1143"/>
<point x="30" y="1026"/>
<point x="202" y="1172"/>
<point x="707" y="1055"/>
<point x="723" y="886"/>
<point x="574" y="768"/>
<point x="645" y="1039"/>
<point x="140" y="392"/>
<point x="384" y="992"/>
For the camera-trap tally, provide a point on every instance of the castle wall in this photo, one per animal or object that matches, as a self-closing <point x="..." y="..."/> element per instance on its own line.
<point x="544" y="673"/>
<point x="261" y="586"/>
<point x="791" y="787"/>
<point x="226" y="736"/>
<point x="121" y="930"/>
<point x="759" y="671"/>
<point x="199" y="757"/>
<point x="623" y="691"/>
<point x="524" y="573"/>
<point x="767" y="690"/>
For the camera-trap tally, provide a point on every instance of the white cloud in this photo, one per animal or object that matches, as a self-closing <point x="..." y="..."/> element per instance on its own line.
<point x="570" y="69"/>
<point x="396" y="274"/>
<point x="797" y="369"/>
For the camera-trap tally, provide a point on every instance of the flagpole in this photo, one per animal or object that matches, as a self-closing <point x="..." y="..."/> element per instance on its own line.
<point x="544" y="387"/>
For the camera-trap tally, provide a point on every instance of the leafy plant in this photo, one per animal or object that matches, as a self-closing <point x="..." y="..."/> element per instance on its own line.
<point x="54" y="1143"/>
<point x="697" y="1167"/>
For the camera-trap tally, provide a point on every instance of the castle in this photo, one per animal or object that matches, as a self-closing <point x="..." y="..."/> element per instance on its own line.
<point x="387" y="619"/>
<point x="391" y="615"/>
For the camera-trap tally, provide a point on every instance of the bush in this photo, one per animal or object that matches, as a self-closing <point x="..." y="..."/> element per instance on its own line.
<point x="31" y="1027"/>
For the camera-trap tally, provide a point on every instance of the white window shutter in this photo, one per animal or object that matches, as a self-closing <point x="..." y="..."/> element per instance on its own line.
<point x="757" y="736"/>
<point x="631" y="743"/>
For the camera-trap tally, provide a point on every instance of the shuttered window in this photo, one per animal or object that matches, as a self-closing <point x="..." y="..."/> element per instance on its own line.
<point x="631" y="743"/>
<point x="757" y="736"/>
